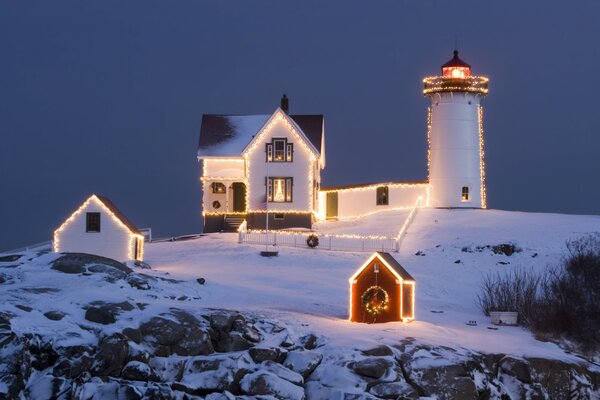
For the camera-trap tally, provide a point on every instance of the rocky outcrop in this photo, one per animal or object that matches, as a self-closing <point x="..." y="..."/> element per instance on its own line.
<point x="224" y="355"/>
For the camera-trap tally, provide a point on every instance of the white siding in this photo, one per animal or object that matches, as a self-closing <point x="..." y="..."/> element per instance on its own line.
<point x="299" y="169"/>
<point x="223" y="168"/>
<point x="112" y="241"/>
<point x="355" y="202"/>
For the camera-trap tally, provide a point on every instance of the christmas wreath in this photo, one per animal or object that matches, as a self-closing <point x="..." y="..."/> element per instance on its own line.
<point x="216" y="204"/>
<point x="375" y="300"/>
<point x="312" y="241"/>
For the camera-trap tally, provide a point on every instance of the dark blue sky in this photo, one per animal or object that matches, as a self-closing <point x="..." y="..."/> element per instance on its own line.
<point x="107" y="97"/>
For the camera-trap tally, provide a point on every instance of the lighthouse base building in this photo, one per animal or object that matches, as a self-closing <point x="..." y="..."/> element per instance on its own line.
<point x="264" y="171"/>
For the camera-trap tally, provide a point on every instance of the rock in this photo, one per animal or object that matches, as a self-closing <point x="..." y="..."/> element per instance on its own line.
<point x="54" y="315"/>
<point x="138" y="371"/>
<point x="10" y="257"/>
<point x="163" y="330"/>
<point x="24" y="308"/>
<point x="138" y="282"/>
<point x="100" y="315"/>
<point x="233" y="341"/>
<point x="112" y="274"/>
<point x="554" y="375"/>
<point x="42" y="354"/>
<point x="448" y="382"/>
<point x="266" y="383"/>
<point x="302" y="362"/>
<point x="372" y="367"/>
<point x="260" y="354"/>
<point x="309" y="341"/>
<point x="76" y="263"/>
<point x="220" y="396"/>
<point x="222" y="320"/>
<point x="518" y="368"/>
<point x="73" y="368"/>
<point x="111" y="355"/>
<point x="379" y="351"/>
<point x="394" y="390"/>
<point x="105" y="313"/>
<point x="15" y="367"/>
<point x="201" y="281"/>
<point x="195" y="342"/>
<point x="135" y="335"/>
<point x="196" y="339"/>
<point x="282" y="372"/>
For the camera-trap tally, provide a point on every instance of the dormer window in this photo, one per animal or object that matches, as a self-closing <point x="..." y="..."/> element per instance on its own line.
<point x="279" y="150"/>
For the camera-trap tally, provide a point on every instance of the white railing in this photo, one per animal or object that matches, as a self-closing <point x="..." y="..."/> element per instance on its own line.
<point x="329" y="241"/>
<point x="326" y="241"/>
<point x="47" y="245"/>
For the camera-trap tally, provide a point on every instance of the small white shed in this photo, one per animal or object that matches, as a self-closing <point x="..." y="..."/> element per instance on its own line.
<point x="98" y="227"/>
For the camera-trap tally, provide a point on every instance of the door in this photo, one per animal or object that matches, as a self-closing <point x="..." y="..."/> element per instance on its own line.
<point x="239" y="197"/>
<point x="332" y="205"/>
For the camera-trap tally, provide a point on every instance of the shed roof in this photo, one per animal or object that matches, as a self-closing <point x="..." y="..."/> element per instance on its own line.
<point x="390" y="262"/>
<point x="111" y="206"/>
<point x="227" y="135"/>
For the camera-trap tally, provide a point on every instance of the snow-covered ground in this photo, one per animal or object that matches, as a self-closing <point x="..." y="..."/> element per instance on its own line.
<point x="310" y="287"/>
<point x="307" y="289"/>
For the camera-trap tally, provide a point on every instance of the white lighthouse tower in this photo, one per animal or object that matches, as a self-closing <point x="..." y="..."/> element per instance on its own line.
<point x="455" y="136"/>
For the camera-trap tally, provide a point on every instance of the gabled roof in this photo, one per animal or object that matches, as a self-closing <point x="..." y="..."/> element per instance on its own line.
<point x="389" y="262"/>
<point x="120" y="216"/>
<point x="106" y="202"/>
<point x="228" y="135"/>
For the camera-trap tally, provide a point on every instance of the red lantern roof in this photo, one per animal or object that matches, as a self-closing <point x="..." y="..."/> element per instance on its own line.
<point x="456" y="68"/>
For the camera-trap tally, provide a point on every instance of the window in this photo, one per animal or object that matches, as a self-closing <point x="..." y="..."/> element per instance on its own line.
<point x="279" y="216"/>
<point x="279" y="190"/>
<point x="382" y="196"/>
<point x="218" y="187"/>
<point x="279" y="150"/>
<point x="465" y="194"/>
<point x="92" y="222"/>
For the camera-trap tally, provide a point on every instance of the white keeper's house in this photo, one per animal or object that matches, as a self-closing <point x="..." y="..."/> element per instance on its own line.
<point x="259" y="168"/>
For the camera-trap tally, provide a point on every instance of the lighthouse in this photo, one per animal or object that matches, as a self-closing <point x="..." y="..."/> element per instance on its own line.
<point x="455" y="136"/>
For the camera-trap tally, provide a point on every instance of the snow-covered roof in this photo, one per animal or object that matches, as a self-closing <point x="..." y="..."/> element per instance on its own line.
<point x="228" y="135"/>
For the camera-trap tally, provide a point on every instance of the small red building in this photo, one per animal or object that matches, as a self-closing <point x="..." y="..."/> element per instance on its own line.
<point x="381" y="290"/>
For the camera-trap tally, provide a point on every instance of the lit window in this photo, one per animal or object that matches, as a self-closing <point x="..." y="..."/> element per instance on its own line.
<point x="382" y="196"/>
<point x="218" y="187"/>
<point x="279" y="150"/>
<point x="465" y="194"/>
<point x="92" y="222"/>
<point x="279" y="190"/>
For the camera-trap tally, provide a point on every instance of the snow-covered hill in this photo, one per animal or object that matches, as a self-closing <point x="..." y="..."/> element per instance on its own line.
<point x="303" y="291"/>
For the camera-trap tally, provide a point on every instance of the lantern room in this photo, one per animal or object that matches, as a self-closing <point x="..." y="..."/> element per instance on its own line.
<point x="456" y="68"/>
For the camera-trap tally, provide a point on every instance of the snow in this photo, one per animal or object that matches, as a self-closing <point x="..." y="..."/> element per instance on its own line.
<point x="307" y="289"/>
<point x="245" y="127"/>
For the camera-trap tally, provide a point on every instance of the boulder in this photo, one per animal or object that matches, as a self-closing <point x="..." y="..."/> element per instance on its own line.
<point x="303" y="362"/>
<point x="282" y="372"/>
<point x="77" y="263"/>
<point x="266" y="383"/>
<point x="135" y="335"/>
<point x="100" y="315"/>
<point x="372" y="367"/>
<point x="138" y="371"/>
<point x="54" y="315"/>
<point x="138" y="282"/>
<point x="163" y="330"/>
<point x="378" y="351"/>
<point x="195" y="342"/>
<point x="260" y="354"/>
<point x="517" y="368"/>
<point x="112" y="354"/>
<point x="394" y="390"/>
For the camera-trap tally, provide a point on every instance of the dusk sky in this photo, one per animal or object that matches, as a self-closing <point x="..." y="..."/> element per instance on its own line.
<point x="107" y="97"/>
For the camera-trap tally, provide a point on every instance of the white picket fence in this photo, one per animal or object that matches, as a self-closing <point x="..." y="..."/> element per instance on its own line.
<point x="326" y="242"/>
<point x="329" y="241"/>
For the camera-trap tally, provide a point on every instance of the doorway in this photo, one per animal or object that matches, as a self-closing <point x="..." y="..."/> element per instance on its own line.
<point x="239" y="196"/>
